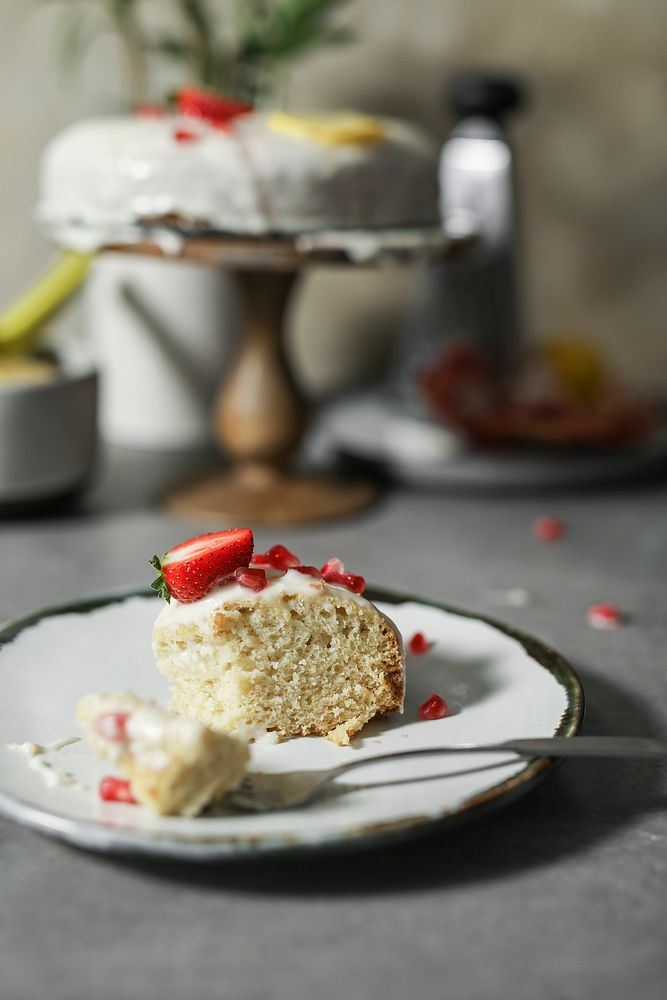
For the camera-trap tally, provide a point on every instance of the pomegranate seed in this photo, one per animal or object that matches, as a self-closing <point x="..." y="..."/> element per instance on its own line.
<point x="281" y="558"/>
<point x="251" y="579"/>
<point x="548" y="529"/>
<point x="184" y="135"/>
<point x="308" y="570"/>
<point x="604" y="616"/>
<point x="333" y="565"/>
<point x="353" y="582"/>
<point x="112" y="726"/>
<point x="260" y="559"/>
<point x="350" y="581"/>
<point x="418" y="643"/>
<point x="116" y="790"/>
<point x="434" y="707"/>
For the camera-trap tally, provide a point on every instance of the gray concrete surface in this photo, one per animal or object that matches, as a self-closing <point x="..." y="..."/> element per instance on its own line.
<point x="559" y="896"/>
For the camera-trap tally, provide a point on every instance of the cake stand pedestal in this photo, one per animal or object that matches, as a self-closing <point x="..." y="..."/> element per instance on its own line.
<point x="260" y="416"/>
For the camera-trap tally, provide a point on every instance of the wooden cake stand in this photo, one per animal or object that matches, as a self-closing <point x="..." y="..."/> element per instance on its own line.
<point x="260" y="416"/>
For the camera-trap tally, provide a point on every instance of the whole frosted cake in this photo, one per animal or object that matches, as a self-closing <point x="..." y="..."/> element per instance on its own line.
<point x="221" y="165"/>
<point x="276" y="648"/>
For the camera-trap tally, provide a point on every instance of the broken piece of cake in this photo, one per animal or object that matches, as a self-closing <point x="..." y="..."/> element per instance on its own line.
<point x="174" y="766"/>
<point x="270" y="646"/>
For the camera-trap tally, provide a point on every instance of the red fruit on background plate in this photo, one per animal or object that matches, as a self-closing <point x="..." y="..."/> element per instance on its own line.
<point x="217" y="109"/>
<point x="194" y="568"/>
<point x="111" y="726"/>
<point x="116" y="790"/>
<point x="250" y="578"/>
<point x="434" y="707"/>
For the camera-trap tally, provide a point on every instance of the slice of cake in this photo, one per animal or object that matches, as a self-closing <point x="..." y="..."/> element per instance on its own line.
<point x="174" y="766"/>
<point x="277" y="648"/>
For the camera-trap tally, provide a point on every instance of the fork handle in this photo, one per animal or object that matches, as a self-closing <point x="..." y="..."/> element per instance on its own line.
<point x="550" y="746"/>
<point x="587" y="746"/>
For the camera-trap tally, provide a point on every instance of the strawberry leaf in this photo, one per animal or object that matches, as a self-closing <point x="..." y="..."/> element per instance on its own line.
<point x="159" y="584"/>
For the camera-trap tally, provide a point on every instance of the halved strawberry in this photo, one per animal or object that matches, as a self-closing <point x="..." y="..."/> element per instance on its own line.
<point x="217" y="109"/>
<point x="192" y="569"/>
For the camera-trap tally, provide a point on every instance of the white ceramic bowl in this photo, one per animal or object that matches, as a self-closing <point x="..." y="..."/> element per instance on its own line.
<point x="48" y="436"/>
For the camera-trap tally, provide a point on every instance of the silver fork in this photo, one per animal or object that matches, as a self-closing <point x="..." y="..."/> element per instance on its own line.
<point x="292" y="789"/>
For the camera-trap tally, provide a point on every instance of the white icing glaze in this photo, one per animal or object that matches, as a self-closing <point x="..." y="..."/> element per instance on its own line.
<point x="290" y="582"/>
<point x="100" y="175"/>
<point x="66" y="741"/>
<point x="362" y="246"/>
<point x="153" y="735"/>
<point x="30" y="749"/>
<point x="33" y="749"/>
<point x="53" y="776"/>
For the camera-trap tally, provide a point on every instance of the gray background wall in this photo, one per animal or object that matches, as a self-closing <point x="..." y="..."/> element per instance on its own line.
<point x="592" y="149"/>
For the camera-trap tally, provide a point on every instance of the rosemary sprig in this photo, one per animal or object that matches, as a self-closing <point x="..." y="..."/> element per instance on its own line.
<point x="266" y="36"/>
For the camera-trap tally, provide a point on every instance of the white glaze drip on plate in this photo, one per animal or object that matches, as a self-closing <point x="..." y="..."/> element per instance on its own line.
<point x="53" y="777"/>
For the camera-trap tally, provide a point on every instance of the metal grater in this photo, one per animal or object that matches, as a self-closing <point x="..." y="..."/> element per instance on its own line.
<point x="474" y="297"/>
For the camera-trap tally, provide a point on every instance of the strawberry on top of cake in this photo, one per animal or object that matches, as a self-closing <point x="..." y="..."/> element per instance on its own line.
<point x="259" y="643"/>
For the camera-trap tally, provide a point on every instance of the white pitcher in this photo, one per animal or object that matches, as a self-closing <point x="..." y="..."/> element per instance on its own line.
<point x="164" y="331"/>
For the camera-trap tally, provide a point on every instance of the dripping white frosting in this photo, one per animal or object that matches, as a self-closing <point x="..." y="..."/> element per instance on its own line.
<point x="290" y="582"/>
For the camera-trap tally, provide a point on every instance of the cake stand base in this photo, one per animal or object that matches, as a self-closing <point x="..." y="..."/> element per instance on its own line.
<point x="260" y="415"/>
<point x="243" y="496"/>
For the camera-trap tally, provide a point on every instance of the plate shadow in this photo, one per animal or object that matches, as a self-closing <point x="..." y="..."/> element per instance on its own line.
<point x="463" y="682"/>
<point x="579" y="804"/>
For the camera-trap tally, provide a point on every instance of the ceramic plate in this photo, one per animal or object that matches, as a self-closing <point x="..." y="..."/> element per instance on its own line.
<point x="421" y="452"/>
<point x="498" y="683"/>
